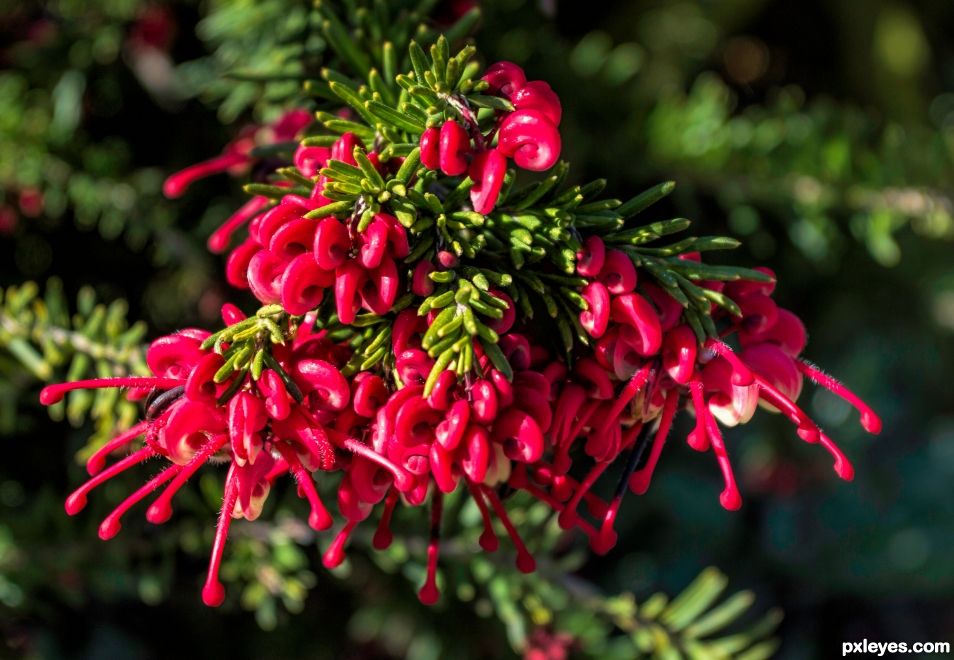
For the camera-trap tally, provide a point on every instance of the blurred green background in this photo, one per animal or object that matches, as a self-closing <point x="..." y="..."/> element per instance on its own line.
<point x="820" y="132"/>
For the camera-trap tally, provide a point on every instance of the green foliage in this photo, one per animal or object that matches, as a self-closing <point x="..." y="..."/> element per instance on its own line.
<point x="39" y="332"/>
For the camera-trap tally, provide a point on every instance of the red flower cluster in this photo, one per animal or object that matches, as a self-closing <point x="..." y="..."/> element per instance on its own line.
<point x="528" y="135"/>
<point x="421" y="423"/>
<point x="291" y="260"/>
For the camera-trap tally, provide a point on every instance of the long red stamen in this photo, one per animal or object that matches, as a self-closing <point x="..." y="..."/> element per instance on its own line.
<point x="112" y="523"/>
<point x="77" y="499"/>
<point x="319" y="519"/>
<point x="219" y="239"/>
<point x="429" y="593"/>
<point x="639" y="482"/>
<point x="382" y="535"/>
<point x="335" y="553"/>
<point x="161" y="509"/>
<point x="525" y="561"/>
<point x="54" y="393"/>
<point x="568" y="515"/>
<point x="176" y="184"/>
<point x="403" y="481"/>
<point x="213" y="593"/>
<point x="488" y="538"/>
<point x="807" y="429"/>
<point x="632" y="388"/>
<point x="729" y="498"/>
<point x="637" y="438"/>
<point x="698" y="438"/>
<point x="869" y="419"/>
<point x="843" y="466"/>
<point x="97" y="461"/>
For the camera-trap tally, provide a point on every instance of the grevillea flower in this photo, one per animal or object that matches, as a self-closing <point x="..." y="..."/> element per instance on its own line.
<point x="260" y="428"/>
<point x="408" y="403"/>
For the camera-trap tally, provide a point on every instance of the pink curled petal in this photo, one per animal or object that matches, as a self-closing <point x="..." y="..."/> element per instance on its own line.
<point x="487" y="169"/>
<point x="374" y="243"/>
<point x="380" y="288"/>
<point x="236" y="266"/>
<point x="728" y="402"/>
<point x="450" y="430"/>
<point x="421" y="284"/>
<point x="474" y="453"/>
<point x="670" y="311"/>
<point x="303" y="285"/>
<point x="590" y="258"/>
<point x="324" y="379"/>
<point x="636" y="312"/>
<point x="595" y="319"/>
<point x="680" y="348"/>
<point x="415" y="422"/>
<point x="309" y="160"/>
<point x="277" y="399"/>
<point x="369" y="395"/>
<point x="484" y="405"/>
<point x="406" y="331"/>
<point x="533" y="401"/>
<point x="759" y="313"/>
<point x="294" y="238"/>
<point x="504" y="78"/>
<point x="594" y="377"/>
<point x="430" y="145"/>
<point x="369" y="481"/>
<point x="502" y="325"/>
<point x="332" y="243"/>
<point x="188" y="428"/>
<point x="516" y="348"/>
<point x="291" y="208"/>
<point x="265" y="272"/>
<point x="520" y="436"/>
<point x="605" y="347"/>
<point x="398" y="245"/>
<point x="440" y="396"/>
<point x="232" y="314"/>
<point x="776" y="367"/>
<point x="454" y="148"/>
<point x="442" y="464"/>
<point x="174" y="356"/>
<point x="538" y="95"/>
<point x="618" y="273"/>
<point x="413" y="366"/>
<point x="503" y="387"/>
<point x="246" y="418"/>
<point x="531" y="139"/>
<point x="200" y="386"/>
<point x="349" y="282"/>
<point x="343" y="148"/>
<point x="788" y="333"/>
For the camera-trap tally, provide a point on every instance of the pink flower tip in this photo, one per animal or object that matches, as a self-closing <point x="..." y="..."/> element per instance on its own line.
<point x="51" y="394"/>
<point x="604" y="541"/>
<point x="320" y="520"/>
<point x="109" y="528"/>
<point x="525" y="562"/>
<point x="213" y="594"/>
<point x="382" y="538"/>
<point x="158" y="513"/>
<point x="75" y="503"/>
<point x="730" y="499"/>
<point x="429" y="593"/>
<point x="871" y="423"/>
<point x="489" y="541"/>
